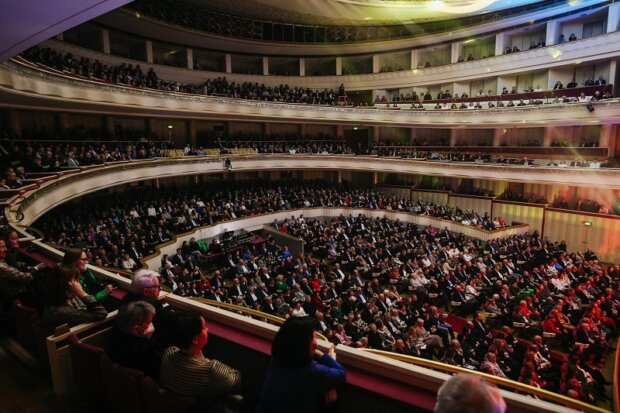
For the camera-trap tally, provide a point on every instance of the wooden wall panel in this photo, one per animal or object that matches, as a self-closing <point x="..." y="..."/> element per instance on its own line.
<point x="401" y="192"/>
<point x="603" y="236"/>
<point x="480" y="205"/>
<point x="430" y="196"/>
<point x="518" y="212"/>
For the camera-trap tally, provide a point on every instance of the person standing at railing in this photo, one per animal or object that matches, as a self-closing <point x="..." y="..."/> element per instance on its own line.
<point x="300" y="377"/>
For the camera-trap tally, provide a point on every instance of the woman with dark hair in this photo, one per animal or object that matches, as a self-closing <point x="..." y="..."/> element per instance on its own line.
<point x="77" y="258"/>
<point x="66" y="301"/>
<point x="185" y="370"/>
<point x="300" y="378"/>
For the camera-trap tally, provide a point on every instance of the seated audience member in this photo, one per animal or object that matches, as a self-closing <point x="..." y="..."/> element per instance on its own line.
<point x="66" y="301"/>
<point x="14" y="257"/>
<point x="295" y="382"/>
<point x="131" y="343"/>
<point x="185" y="370"/>
<point x="101" y="290"/>
<point x="12" y="281"/>
<point x="466" y="393"/>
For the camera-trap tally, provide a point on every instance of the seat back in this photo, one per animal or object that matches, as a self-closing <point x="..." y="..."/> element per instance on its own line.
<point x="86" y="367"/>
<point x="156" y="399"/>
<point x="25" y="317"/>
<point x="121" y="386"/>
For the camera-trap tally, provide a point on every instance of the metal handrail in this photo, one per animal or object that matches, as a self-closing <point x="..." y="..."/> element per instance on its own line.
<point x="512" y="385"/>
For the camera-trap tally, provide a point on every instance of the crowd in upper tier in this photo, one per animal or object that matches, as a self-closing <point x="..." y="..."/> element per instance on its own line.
<point x="134" y="75"/>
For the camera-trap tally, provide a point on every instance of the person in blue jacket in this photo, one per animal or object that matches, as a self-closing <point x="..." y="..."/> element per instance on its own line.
<point x="300" y="377"/>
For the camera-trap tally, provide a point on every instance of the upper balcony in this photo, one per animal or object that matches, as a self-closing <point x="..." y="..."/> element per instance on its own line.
<point x="26" y="86"/>
<point x="580" y="53"/>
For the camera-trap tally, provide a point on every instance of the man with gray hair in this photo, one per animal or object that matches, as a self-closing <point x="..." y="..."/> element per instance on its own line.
<point x="145" y="287"/>
<point x="468" y="393"/>
<point x="131" y="342"/>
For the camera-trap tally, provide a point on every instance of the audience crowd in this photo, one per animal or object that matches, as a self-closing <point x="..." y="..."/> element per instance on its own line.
<point x="129" y="226"/>
<point x="24" y="157"/>
<point x="371" y="282"/>
<point x="375" y="283"/>
<point x="130" y="75"/>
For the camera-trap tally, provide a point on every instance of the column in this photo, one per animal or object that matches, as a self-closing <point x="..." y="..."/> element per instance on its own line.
<point x="302" y="66"/>
<point x="339" y="177"/>
<point x="267" y="129"/>
<point x="613" y="69"/>
<point x="190" y="58"/>
<point x="151" y="126"/>
<point x="375" y="178"/>
<point x="607" y="136"/>
<point x="265" y="66"/>
<point x="548" y="137"/>
<point x="412" y="135"/>
<point x="414" y="59"/>
<point x="302" y="130"/>
<point x="105" y="40"/>
<point x="455" y="136"/>
<point x="500" y="43"/>
<point x="376" y="133"/>
<point x="375" y="63"/>
<point x="498" y="136"/>
<point x="457" y="47"/>
<point x="63" y="121"/>
<point x="340" y="131"/>
<point x="14" y="122"/>
<point x="191" y="132"/>
<point x="108" y="125"/>
<point x="228" y="63"/>
<point x="553" y="32"/>
<point x="59" y="36"/>
<point x="149" y="51"/>
<point x="613" y="17"/>
<point x="338" y="66"/>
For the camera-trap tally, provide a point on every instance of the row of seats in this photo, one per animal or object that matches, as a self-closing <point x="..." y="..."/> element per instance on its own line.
<point x="122" y="389"/>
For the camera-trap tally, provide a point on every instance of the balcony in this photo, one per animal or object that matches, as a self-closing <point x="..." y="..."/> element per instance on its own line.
<point x="24" y="86"/>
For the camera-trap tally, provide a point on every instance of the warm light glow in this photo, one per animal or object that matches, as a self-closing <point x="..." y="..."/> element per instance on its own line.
<point x="469" y="41"/>
<point x="436" y="5"/>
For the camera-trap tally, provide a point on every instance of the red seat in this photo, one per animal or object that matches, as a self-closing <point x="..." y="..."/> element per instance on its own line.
<point x="31" y="333"/>
<point x="121" y="386"/>
<point x="25" y="317"/>
<point x="86" y="367"/>
<point x="156" y="399"/>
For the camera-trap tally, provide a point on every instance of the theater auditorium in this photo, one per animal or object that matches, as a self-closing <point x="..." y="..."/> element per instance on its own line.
<point x="404" y="190"/>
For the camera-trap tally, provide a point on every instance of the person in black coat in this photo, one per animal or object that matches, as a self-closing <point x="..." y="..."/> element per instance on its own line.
<point x="131" y="342"/>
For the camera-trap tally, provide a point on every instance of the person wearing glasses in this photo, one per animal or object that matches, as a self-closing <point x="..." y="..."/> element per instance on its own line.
<point x="145" y="286"/>
<point x="100" y="289"/>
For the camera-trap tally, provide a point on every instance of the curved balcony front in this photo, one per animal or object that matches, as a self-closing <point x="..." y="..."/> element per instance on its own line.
<point x="30" y="88"/>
